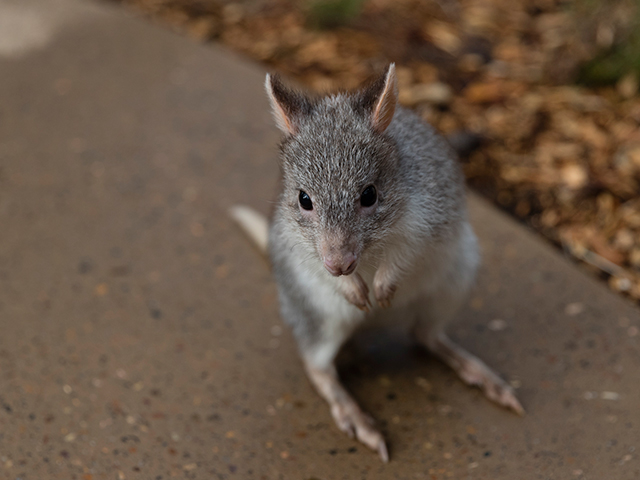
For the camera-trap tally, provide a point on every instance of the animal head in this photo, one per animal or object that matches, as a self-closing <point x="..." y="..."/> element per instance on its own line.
<point x="339" y="167"/>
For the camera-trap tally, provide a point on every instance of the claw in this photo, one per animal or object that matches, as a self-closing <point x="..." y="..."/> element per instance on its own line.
<point x="364" y="308"/>
<point x="382" y="451"/>
<point x="509" y="400"/>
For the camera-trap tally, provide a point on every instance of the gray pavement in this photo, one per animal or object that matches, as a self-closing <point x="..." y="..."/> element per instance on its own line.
<point x="139" y="331"/>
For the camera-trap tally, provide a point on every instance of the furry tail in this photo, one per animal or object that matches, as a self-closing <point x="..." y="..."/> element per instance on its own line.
<point x="253" y="224"/>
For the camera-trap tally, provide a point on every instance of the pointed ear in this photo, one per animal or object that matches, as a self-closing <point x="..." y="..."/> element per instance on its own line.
<point x="379" y="100"/>
<point x="385" y="107"/>
<point x="288" y="105"/>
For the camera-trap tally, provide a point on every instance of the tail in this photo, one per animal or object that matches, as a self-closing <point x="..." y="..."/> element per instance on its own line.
<point x="253" y="224"/>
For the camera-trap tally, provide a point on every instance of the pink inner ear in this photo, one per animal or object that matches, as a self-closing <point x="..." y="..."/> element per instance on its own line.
<point x="280" y="114"/>
<point x="282" y="120"/>
<point x="386" y="105"/>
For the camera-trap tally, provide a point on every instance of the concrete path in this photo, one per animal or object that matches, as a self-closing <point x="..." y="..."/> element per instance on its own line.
<point x="139" y="331"/>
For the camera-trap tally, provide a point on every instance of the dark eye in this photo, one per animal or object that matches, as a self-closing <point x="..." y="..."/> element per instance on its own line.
<point x="305" y="201"/>
<point x="369" y="196"/>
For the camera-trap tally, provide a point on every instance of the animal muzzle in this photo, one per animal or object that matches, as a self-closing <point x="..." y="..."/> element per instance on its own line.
<point x="340" y="263"/>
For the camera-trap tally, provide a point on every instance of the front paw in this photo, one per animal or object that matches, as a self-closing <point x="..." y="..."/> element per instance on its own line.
<point x="384" y="292"/>
<point x="356" y="291"/>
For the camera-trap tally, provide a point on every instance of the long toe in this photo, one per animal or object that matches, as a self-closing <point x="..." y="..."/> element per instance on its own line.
<point x="382" y="451"/>
<point x="373" y="439"/>
<point x="351" y="420"/>
<point x="508" y="399"/>
<point x="500" y="392"/>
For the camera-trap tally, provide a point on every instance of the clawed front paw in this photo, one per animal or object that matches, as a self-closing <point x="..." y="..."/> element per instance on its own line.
<point x="384" y="292"/>
<point x="356" y="291"/>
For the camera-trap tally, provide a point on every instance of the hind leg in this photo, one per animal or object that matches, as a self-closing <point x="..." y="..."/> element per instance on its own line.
<point x="345" y="410"/>
<point x="319" y="362"/>
<point x="434" y="314"/>
<point x="319" y="341"/>
<point x="474" y="371"/>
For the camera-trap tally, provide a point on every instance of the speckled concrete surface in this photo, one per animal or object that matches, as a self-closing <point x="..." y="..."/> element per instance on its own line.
<point x="140" y="336"/>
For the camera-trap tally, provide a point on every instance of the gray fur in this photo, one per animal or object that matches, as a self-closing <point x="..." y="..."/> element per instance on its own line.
<point x="333" y="157"/>
<point x="415" y="249"/>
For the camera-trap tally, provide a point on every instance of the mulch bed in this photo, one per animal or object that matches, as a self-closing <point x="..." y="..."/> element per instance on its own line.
<point x="563" y="158"/>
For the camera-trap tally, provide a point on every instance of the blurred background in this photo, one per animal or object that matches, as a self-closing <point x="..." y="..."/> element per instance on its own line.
<point x="550" y="85"/>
